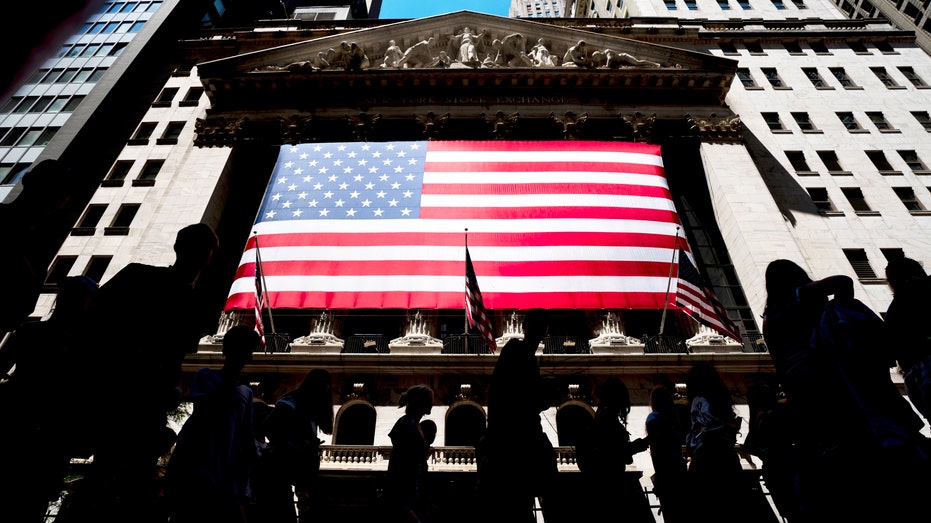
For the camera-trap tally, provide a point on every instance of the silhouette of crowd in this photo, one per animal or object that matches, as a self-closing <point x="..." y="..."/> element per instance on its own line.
<point x="835" y="438"/>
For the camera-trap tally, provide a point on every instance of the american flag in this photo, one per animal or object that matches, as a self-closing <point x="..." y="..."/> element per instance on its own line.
<point x="475" y="307"/>
<point x="552" y="224"/>
<point x="259" y="299"/>
<point x="697" y="299"/>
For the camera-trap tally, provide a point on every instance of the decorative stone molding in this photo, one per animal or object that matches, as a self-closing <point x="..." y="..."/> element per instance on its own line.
<point x="716" y="129"/>
<point x="611" y="338"/>
<point x="418" y="335"/>
<point x="219" y="132"/>
<point x="432" y="124"/>
<point x="295" y="129"/>
<point x="322" y="337"/>
<point x="501" y="125"/>
<point x="572" y="124"/>
<point x="362" y="125"/>
<point x="640" y="126"/>
<point x="709" y="340"/>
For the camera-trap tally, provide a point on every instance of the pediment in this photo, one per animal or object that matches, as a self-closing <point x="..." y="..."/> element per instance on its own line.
<point x="462" y="40"/>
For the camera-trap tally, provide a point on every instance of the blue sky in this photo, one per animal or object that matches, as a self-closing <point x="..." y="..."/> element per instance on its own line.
<point x="421" y="8"/>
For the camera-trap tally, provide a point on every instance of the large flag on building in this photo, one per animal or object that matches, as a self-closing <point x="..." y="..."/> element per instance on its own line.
<point x="552" y="224"/>
<point x="697" y="299"/>
<point x="475" y="306"/>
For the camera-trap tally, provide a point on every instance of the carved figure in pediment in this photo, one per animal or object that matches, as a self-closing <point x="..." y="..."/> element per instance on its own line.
<point x="512" y="51"/>
<point x="442" y="60"/>
<point x="362" y="125"/>
<point x="418" y="55"/>
<point x="611" y="59"/>
<point x="294" y="129"/>
<point x="502" y="125"/>
<point x="578" y="55"/>
<point x="356" y="59"/>
<point x="322" y="60"/>
<point x="393" y="55"/>
<point x="465" y="47"/>
<point x="541" y="56"/>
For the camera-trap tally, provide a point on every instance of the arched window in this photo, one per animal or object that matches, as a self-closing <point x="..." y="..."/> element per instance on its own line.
<point x="465" y="424"/>
<point x="355" y="424"/>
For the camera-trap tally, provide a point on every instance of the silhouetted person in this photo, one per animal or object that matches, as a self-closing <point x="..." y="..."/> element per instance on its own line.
<point x="612" y="491"/>
<point x="666" y="437"/>
<point x="406" y="465"/>
<point x="839" y="475"/>
<point x="909" y="329"/>
<point x="769" y="438"/>
<point x="208" y="477"/>
<point x="292" y="457"/>
<point x="42" y="404"/>
<point x="429" y="429"/>
<point x="516" y="460"/>
<point x="141" y="324"/>
<point x="715" y="473"/>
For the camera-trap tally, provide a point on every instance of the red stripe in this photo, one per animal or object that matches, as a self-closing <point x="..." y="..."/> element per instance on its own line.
<point x="476" y="239"/>
<point x="542" y="187"/>
<point x="503" y="213"/>
<point x="455" y="268"/>
<point x="553" y="145"/>
<point x="450" y="300"/>
<point x="477" y="165"/>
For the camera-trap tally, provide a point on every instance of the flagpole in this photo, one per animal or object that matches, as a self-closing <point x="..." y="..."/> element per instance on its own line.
<point x="675" y="250"/>
<point x="258" y="267"/>
<point x="466" y="308"/>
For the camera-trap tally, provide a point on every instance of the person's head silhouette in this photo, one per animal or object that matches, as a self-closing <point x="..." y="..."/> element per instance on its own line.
<point x="194" y="246"/>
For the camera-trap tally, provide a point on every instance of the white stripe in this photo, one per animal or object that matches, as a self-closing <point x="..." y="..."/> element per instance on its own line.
<point x="543" y="156"/>
<point x="517" y="178"/>
<point x="457" y="253"/>
<point x="457" y="226"/>
<point x="546" y="200"/>
<point x="420" y="283"/>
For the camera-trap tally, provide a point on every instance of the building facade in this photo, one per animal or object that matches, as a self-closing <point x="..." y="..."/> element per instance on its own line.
<point x="788" y="130"/>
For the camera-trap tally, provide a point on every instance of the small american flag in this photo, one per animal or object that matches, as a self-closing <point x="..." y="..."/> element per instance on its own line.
<point x="475" y="307"/>
<point x="698" y="301"/>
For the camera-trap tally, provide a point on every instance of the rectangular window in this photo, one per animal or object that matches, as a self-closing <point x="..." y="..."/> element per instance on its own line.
<point x="58" y="105"/>
<point x="61" y="266"/>
<point x="879" y="120"/>
<point x="923" y="118"/>
<point x="815" y="77"/>
<point x="171" y="134"/>
<point x="910" y="74"/>
<point x="46" y="136"/>
<point x="41" y="104"/>
<point x="881" y="163"/>
<point x="165" y="97"/>
<point x="913" y="161"/>
<point x="90" y="219"/>
<point x="150" y="170"/>
<point x="858" y="47"/>
<point x="772" y="76"/>
<point x="850" y="123"/>
<point x="909" y="200"/>
<point x="829" y="159"/>
<point x="773" y="122"/>
<point x="691" y="5"/>
<point x="724" y="5"/>
<point x="72" y="104"/>
<point x="855" y="196"/>
<point x="798" y="162"/>
<point x="670" y="5"/>
<point x="885" y="47"/>
<point x="818" y="47"/>
<point x="24" y="106"/>
<point x="884" y="77"/>
<point x="804" y="122"/>
<point x="143" y="133"/>
<point x="819" y="196"/>
<point x="12" y="136"/>
<point x="121" y="222"/>
<point x="192" y="97"/>
<point x="800" y="4"/>
<point x="97" y="266"/>
<point x="117" y="174"/>
<point x="728" y="48"/>
<point x="779" y="5"/>
<point x="793" y="47"/>
<point x="11" y="104"/>
<point x="37" y="76"/>
<point x="744" y="4"/>
<point x="746" y="79"/>
<point x="754" y="48"/>
<point x="860" y="264"/>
